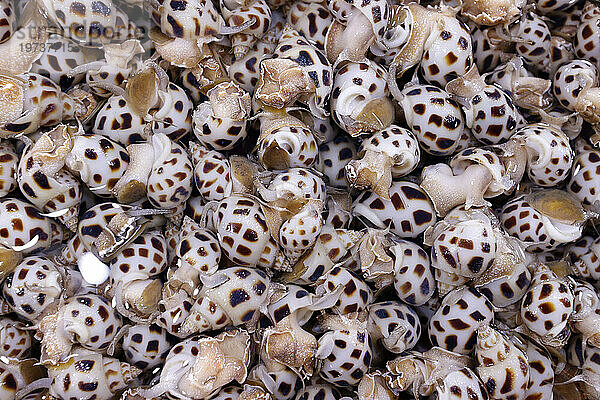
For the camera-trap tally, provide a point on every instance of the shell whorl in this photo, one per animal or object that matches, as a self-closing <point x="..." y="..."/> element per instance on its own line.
<point x="489" y="344"/>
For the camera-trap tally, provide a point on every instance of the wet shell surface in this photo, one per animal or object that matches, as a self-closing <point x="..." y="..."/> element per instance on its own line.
<point x="434" y="117"/>
<point x="407" y="213"/>
<point x="299" y="200"/>
<point x="455" y="324"/>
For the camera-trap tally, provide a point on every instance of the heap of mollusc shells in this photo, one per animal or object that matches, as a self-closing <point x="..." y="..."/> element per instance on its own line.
<point x="299" y="200"/>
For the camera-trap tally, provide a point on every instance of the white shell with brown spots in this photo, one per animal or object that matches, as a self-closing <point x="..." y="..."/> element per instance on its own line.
<point x="170" y="182"/>
<point x="98" y="161"/>
<point x="585" y="180"/>
<point x="15" y="341"/>
<point x="507" y="289"/>
<point x="83" y="20"/>
<point x="95" y="220"/>
<point x="521" y="220"/>
<point x="281" y="383"/>
<point x="114" y="69"/>
<point x="486" y="157"/>
<point x="173" y="310"/>
<point x="240" y="296"/>
<point x="553" y="7"/>
<point x="547" y="307"/>
<point x="296" y="142"/>
<point x="7" y="19"/>
<point x="345" y="355"/>
<point x="455" y="323"/>
<point x="296" y="184"/>
<point x="448" y="53"/>
<point x="330" y="248"/>
<point x="591" y="367"/>
<point x="355" y="85"/>
<point x="193" y="82"/>
<point x="332" y="159"/>
<point x="88" y="320"/>
<point x="8" y="168"/>
<point x="353" y="294"/>
<point x="461" y="384"/>
<point x="541" y="371"/>
<point x="295" y="300"/>
<point x="325" y="129"/>
<point x="502" y="367"/>
<point x="487" y="49"/>
<point x="117" y="121"/>
<point x="212" y="175"/>
<point x="376" y="11"/>
<point x="214" y="125"/>
<point x="465" y="141"/>
<point x="243" y="232"/>
<point x="336" y="213"/>
<point x="395" y="324"/>
<point x="319" y="392"/>
<point x="314" y="64"/>
<point x="583" y="256"/>
<point x="172" y="232"/>
<point x="340" y="10"/>
<point x="205" y="314"/>
<point x="539" y="233"/>
<point x="239" y="14"/>
<point x="228" y="393"/>
<point x="28" y="226"/>
<point x="48" y="189"/>
<point x="299" y="233"/>
<point x="571" y="79"/>
<point x="18" y="374"/>
<point x="33" y="288"/>
<point x="436" y="119"/>
<point x="536" y="44"/>
<point x="492" y="115"/>
<point x="196" y="207"/>
<point x="513" y="76"/>
<point x="408" y="213"/>
<point x="560" y="53"/>
<point x="59" y="57"/>
<point x="413" y="279"/>
<point x="44" y="104"/>
<point x="189" y="19"/>
<point x="398" y="143"/>
<point x="549" y="154"/>
<point x="245" y="71"/>
<point x="146" y="346"/>
<point x="89" y="374"/>
<point x="464" y="249"/>
<point x="312" y="20"/>
<point x="144" y="257"/>
<point x="174" y="118"/>
<point x="587" y="40"/>
<point x="198" y="248"/>
<point x="107" y="74"/>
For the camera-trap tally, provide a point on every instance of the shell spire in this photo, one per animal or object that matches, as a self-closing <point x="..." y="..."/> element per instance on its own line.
<point x="502" y="367"/>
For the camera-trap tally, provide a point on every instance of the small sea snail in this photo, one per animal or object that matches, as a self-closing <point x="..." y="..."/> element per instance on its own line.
<point x="390" y="153"/>
<point x="298" y="71"/>
<point x="196" y="369"/>
<point x="575" y="85"/>
<point x="359" y="99"/>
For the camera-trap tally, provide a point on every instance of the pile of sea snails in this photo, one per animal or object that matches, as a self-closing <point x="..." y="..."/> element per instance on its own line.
<point x="299" y="199"/>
